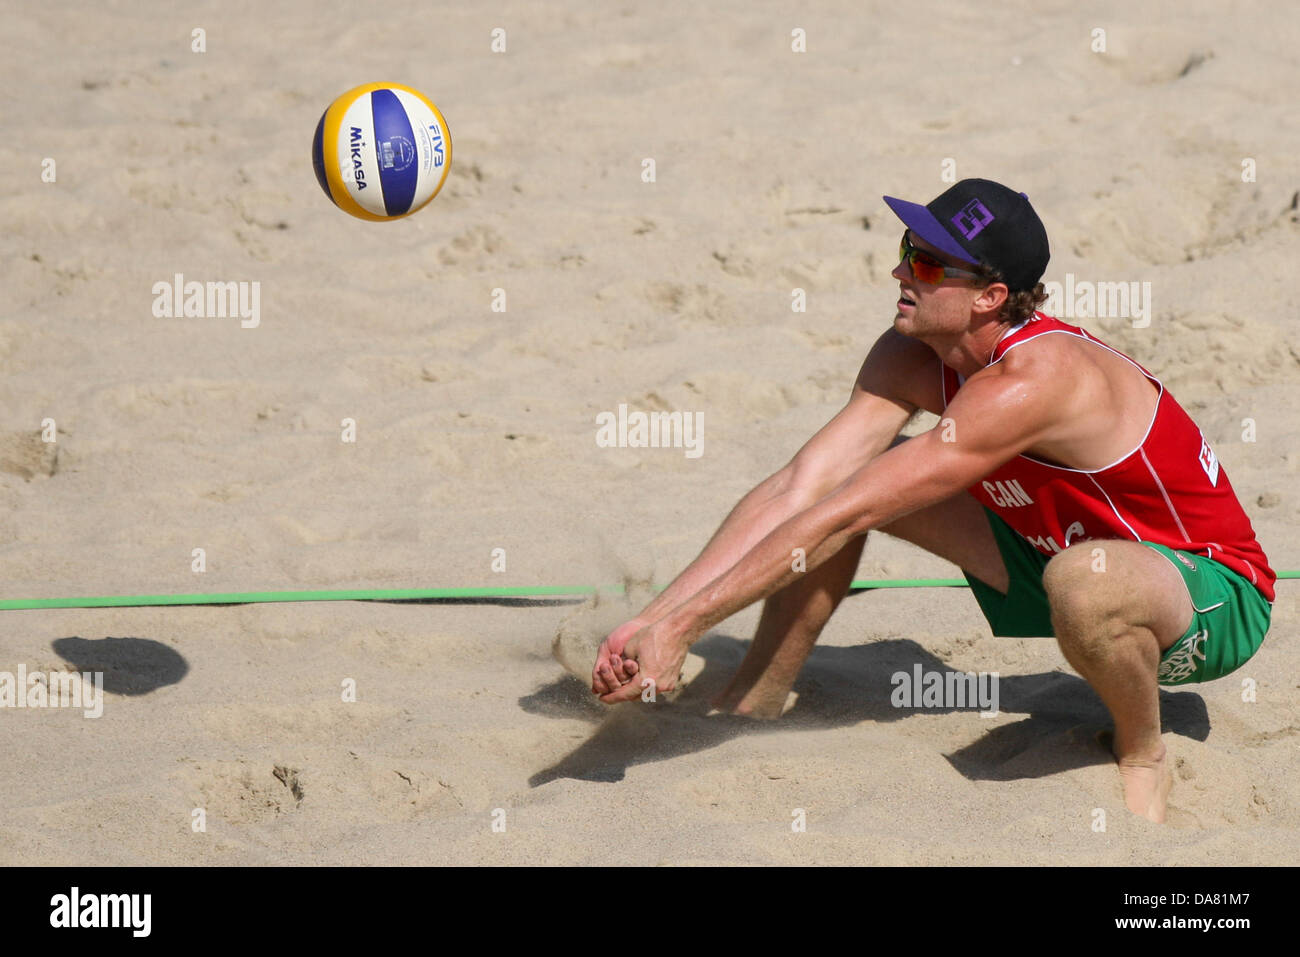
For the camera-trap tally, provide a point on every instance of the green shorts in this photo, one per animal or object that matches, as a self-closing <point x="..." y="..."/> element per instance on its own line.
<point x="1230" y="616"/>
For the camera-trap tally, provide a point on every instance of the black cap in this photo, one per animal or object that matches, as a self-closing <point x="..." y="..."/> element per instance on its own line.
<point x="981" y="221"/>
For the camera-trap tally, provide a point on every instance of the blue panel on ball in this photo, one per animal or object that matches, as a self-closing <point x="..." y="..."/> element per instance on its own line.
<point x="394" y="151"/>
<point x="318" y="158"/>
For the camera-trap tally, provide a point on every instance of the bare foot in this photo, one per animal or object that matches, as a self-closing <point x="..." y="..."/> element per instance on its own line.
<point x="1146" y="786"/>
<point x="750" y="706"/>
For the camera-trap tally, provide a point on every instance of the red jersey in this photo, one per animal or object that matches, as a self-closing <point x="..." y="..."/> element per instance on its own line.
<point x="1170" y="490"/>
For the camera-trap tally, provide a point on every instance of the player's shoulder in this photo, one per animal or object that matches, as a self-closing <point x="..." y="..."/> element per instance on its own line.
<point x="1043" y="371"/>
<point x="1052" y="353"/>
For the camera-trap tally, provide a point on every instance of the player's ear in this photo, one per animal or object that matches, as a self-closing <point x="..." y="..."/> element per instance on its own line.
<point x="991" y="297"/>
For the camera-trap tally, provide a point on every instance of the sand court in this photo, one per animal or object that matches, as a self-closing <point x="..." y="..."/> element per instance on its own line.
<point x="362" y="418"/>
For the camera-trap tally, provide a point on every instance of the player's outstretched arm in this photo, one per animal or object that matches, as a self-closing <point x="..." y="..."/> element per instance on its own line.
<point x="994" y="418"/>
<point x="876" y="412"/>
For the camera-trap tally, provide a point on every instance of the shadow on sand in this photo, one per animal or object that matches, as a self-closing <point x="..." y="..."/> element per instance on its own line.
<point x="131" y="666"/>
<point x="840" y="687"/>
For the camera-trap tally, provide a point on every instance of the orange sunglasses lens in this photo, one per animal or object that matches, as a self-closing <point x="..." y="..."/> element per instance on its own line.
<point x="925" y="268"/>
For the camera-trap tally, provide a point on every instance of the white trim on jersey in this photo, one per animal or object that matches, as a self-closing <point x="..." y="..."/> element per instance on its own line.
<point x="1136" y="536"/>
<point x="1165" y="495"/>
<point x="1010" y="332"/>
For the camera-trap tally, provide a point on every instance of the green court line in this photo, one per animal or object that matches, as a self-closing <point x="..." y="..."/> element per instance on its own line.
<point x="256" y="597"/>
<point x="406" y="594"/>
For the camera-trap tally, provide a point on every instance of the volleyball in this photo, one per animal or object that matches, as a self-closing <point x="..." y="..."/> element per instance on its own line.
<point x="381" y="151"/>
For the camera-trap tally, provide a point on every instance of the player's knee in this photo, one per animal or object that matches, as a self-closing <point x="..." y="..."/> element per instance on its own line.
<point x="1064" y="569"/>
<point x="1080" y="583"/>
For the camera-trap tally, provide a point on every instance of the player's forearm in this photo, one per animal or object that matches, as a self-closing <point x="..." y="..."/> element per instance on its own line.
<point x="920" y="472"/>
<point x="766" y="506"/>
<point x="815" y="534"/>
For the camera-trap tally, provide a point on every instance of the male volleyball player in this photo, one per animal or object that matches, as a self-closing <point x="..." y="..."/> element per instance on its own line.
<point x="1079" y="499"/>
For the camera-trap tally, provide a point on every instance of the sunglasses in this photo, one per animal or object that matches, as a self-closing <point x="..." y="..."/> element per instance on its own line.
<point x="925" y="268"/>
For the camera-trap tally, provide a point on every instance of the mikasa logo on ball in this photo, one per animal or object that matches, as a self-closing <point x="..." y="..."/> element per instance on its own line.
<point x="358" y="169"/>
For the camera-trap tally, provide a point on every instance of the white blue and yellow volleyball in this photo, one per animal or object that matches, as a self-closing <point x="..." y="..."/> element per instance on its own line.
<point x="381" y="151"/>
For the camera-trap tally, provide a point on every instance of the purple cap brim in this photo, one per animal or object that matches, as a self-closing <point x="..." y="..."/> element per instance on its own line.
<point x="923" y="223"/>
